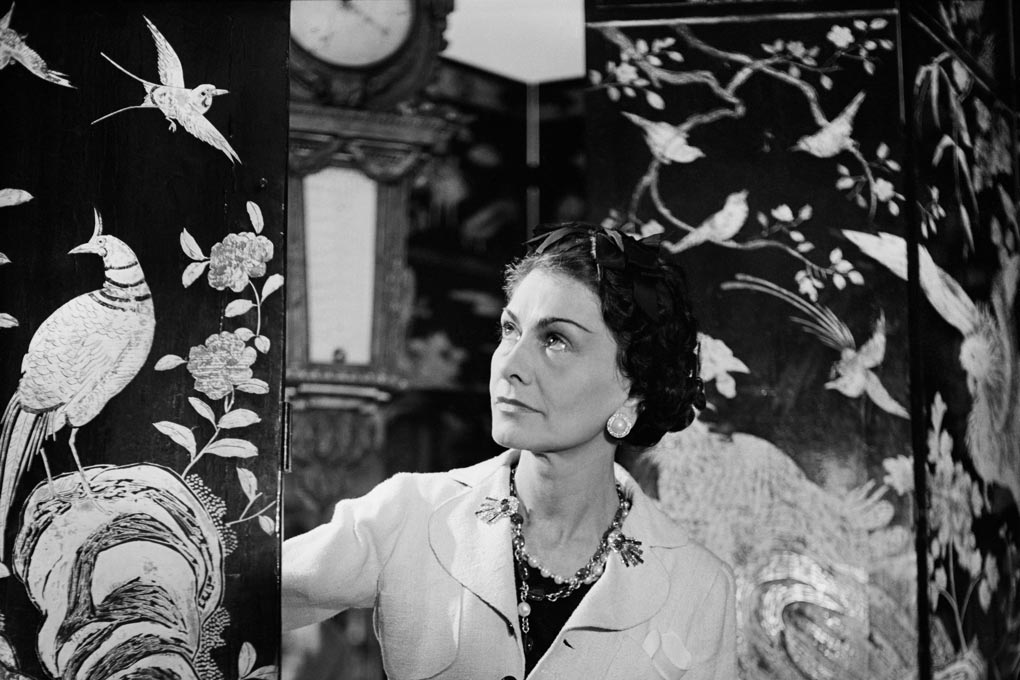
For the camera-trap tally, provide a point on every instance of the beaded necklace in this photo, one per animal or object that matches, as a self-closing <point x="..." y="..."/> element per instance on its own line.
<point x="613" y="540"/>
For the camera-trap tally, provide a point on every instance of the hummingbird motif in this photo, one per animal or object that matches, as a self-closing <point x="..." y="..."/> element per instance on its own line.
<point x="13" y="48"/>
<point x="178" y="103"/>
<point x="988" y="352"/>
<point x="853" y="371"/>
<point x="832" y="136"/>
<point x="80" y="357"/>
<point x="668" y="143"/>
<point x="719" y="227"/>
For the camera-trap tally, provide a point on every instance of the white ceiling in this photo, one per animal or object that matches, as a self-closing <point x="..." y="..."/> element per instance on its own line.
<point x="532" y="41"/>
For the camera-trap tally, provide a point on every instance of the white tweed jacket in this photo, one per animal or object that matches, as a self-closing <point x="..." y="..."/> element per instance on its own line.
<point x="442" y="585"/>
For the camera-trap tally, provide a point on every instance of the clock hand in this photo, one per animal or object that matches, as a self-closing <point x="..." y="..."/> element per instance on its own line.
<point x="351" y="7"/>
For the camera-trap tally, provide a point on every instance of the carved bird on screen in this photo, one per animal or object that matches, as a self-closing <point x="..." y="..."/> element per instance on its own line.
<point x="719" y="227"/>
<point x="82" y="355"/>
<point x="853" y="371"/>
<point x="14" y="48"/>
<point x="988" y="353"/>
<point x="833" y="136"/>
<point x="178" y="103"/>
<point x="668" y="143"/>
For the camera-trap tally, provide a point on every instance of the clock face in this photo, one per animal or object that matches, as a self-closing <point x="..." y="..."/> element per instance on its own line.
<point x="352" y="33"/>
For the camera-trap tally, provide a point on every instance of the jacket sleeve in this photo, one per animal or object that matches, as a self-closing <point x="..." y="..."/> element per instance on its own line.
<point x="336" y="566"/>
<point x="717" y="631"/>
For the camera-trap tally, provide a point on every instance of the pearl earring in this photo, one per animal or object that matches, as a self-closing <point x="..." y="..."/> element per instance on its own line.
<point x="619" y="425"/>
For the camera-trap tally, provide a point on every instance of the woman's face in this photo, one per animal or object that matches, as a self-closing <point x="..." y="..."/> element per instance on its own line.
<point x="554" y="379"/>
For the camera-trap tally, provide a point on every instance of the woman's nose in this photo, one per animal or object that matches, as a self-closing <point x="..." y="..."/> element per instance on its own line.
<point x="512" y="361"/>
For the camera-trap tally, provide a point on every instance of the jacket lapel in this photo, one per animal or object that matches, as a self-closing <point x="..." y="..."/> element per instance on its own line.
<point x="474" y="552"/>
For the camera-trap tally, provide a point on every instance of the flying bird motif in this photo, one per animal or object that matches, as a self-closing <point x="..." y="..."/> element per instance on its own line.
<point x="178" y="103"/>
<point x="13" y="48"/>
<point x="988" y="353"/>
<point x="668" y="143"/>
<point x="853" y="371"/>
<point x="719" y="227"/>
<point x="80" y="357"/>
<point x="833" y="136"/>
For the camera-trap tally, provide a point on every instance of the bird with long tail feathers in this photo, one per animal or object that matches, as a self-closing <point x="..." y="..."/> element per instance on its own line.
<point x="988" y="353"/>
<point x="14" y="48"/>
<point x="179" y="103"/>
<point x="853" y="371"/>
<point x="81" y="356"/>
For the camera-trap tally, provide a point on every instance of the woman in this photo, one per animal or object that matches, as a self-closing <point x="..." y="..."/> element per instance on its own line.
<point x="546" y="561"/>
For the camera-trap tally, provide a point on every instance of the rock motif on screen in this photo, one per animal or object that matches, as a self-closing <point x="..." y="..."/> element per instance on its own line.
<point x="176" y="101"/>
<point x="13" y="48"/>
<point x="79" y="358"/>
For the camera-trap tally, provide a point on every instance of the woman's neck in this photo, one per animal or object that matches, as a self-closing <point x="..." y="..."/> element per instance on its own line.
<point x="567" y="498"/>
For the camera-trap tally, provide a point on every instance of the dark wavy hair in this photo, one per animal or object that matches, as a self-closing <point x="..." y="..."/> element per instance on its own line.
<point x="658" y="355"/>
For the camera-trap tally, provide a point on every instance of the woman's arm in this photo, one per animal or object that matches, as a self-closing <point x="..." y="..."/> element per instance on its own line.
<point x="717" y="631"/>
<point x="336" y="566"/>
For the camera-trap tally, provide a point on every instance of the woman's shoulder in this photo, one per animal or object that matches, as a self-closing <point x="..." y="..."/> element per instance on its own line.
<point x="435" y="487"/>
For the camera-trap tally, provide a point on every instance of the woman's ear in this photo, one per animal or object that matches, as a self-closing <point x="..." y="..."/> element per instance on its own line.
<point x="631" y="408"/>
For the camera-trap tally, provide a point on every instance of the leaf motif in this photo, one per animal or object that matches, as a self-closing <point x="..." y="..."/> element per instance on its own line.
<point x="232" y="448"/>
<point x="246" y="659"/>
<point x="192" y="272"/>
<point x="613" y="93"/>
<point x="271" y="285"/>
<point x="8" y="321"/>
<point x="655" y="100"/>
<point x="267" y="524"/>
<point x="169" y="361"/>
<point x="254" y="386"/>
<point x="190" y="246"/>
<point x="825" y="81"/>
<point x="203" y="409"/>
<point x="10" y="197"/>
<point x="594" y="77"/>
<point x="869" y="67"/>
<point x="241" y="417"/>
<point x="180" y="435"/>
<point x="4" y="259"/>
<point x="262" y="344"/>
<point x="883" y="150"/>
<point x="263" y="673"/>
<point x="249" y="484"/>
<point x="245" y="334"/>
<point x="238" y="307"/>
<point x="844" y="182"/>
<point x="878" y="24"/>
<point x="255" y="215"/>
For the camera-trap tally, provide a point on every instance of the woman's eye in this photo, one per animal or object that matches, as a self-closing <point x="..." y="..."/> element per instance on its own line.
<point x="507" y="330"/>
<point x="553" y="341"/>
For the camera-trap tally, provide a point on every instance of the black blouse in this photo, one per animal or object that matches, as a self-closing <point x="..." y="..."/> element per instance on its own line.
<point x="546" y="618"/>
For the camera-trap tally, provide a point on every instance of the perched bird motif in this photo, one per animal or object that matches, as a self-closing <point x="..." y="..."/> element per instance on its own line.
<point x="988" y="353"/>
<point x="853" y="371"/>
<point x="82" y="355"/>
<point x="719" y="227"/>
<point x="13" y="48"/>
<point x="178" y="103"/>
<point x="668" y="143"/>
<point x="832" y="136"/>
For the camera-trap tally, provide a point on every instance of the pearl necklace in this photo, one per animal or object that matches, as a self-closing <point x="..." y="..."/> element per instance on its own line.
<point x="613" y="540"/>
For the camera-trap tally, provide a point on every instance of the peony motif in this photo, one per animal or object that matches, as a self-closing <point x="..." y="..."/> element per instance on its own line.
<point x="884" y="190"/>
<point x="222" y="363"/>
<point x="717" y="362"/>
<point x="840" y="36"/>
<point x="899" y="474"/>
<point x="237" y="259"/>
<point x="626" y="73"/>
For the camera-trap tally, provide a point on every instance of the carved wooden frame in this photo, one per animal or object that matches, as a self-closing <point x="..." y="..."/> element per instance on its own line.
<point x="390" y="149"/>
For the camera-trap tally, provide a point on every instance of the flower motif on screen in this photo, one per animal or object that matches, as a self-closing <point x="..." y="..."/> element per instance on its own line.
<point x="717" y="362"/>
<point x="221" y="363"/>
<point x="840" y="36"/>
<point x="237" y="259"/>
<point x="899" y="474"/>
